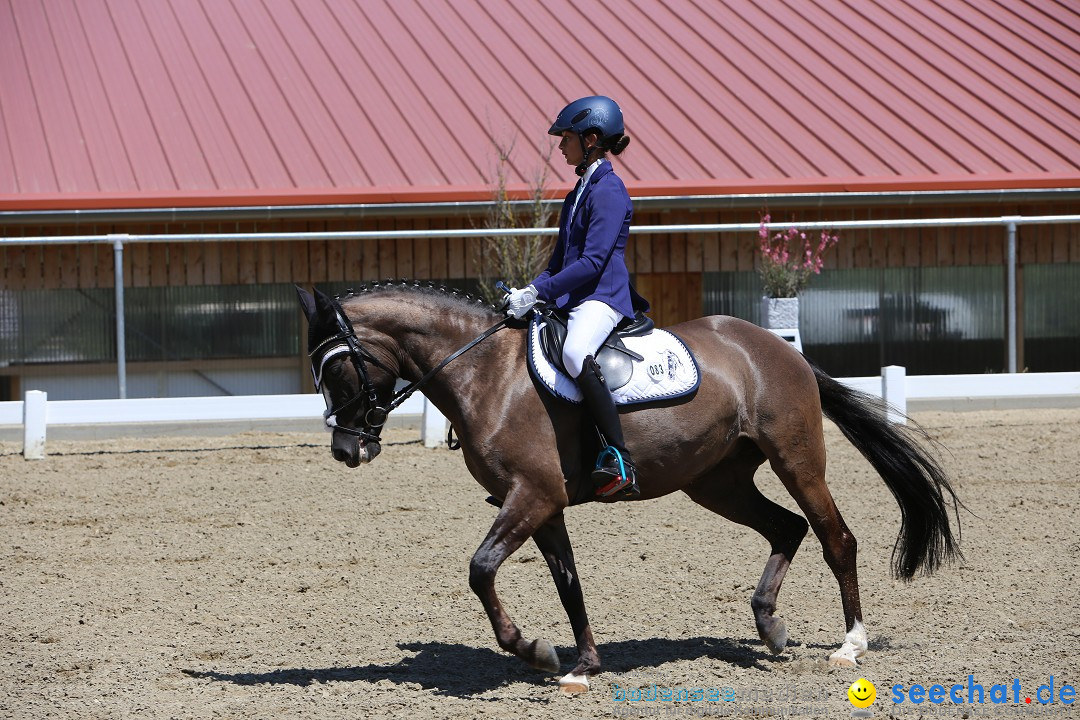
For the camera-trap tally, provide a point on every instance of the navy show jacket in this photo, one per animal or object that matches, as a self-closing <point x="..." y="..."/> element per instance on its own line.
<point x="589" y="259"/>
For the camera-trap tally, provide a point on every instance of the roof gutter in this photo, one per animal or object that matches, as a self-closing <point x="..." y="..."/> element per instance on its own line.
<point x="650" y="203"/>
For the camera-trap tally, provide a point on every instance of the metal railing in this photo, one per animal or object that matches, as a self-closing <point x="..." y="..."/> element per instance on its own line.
<point x="118" y="241"/>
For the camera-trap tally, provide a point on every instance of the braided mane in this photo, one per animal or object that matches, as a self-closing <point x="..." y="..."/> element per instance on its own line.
<point x="443" y="294"/>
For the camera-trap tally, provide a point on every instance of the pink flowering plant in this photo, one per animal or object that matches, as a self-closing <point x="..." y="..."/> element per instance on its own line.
<point x="789" y="258"/>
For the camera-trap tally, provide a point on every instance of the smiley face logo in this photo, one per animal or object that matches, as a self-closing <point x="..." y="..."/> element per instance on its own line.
<point x="862" y="693"/>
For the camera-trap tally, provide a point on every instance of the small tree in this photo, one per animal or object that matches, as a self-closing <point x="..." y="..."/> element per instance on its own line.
<point x="518" y="259"/>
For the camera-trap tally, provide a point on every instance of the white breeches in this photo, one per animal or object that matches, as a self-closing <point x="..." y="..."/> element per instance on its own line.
<point x="590" y="324"/>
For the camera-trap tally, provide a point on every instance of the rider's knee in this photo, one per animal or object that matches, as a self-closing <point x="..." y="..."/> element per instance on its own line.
<point x="574" y="360"/>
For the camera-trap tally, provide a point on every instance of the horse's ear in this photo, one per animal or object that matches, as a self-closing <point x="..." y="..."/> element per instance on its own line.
<point x="307" y="303"/>
<point x="323" y="304"/>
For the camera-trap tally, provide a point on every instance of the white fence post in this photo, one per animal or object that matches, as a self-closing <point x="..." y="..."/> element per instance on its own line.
<point x="894" y="392"/>
<point x="34" y="424"/>
<point x="433" y="430"/>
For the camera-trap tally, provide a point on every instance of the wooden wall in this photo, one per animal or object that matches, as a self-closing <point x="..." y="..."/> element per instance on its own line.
<point x="668" y="267"/>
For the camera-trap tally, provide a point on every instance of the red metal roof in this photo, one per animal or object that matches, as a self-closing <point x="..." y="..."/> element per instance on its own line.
<point x="119" y="103"/>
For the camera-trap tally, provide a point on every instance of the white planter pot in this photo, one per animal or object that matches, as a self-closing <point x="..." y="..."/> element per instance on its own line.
<point x="780" y="313"/>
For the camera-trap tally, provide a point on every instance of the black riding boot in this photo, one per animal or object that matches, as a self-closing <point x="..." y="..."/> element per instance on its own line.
<point x="614" y="476"/>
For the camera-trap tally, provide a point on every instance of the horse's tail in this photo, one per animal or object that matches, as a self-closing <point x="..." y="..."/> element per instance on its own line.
<point x="915" y="478"/>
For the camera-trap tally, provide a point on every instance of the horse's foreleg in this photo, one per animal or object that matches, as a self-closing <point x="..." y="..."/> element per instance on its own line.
<point x="518" y="519"/>
<point x="730" y="491"/>
<point x="554" y="543"/>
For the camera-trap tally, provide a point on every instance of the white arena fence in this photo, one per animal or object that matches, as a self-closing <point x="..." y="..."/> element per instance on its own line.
<point x="36" y="413"/>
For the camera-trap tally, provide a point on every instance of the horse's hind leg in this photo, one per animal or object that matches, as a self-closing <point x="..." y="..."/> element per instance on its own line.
<point x="799" y="462"/>
<point x="730" y="491"/>
<point x="554" y="543"/>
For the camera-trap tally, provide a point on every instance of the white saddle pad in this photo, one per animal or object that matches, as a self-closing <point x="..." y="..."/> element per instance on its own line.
<point x="668" y="370"/>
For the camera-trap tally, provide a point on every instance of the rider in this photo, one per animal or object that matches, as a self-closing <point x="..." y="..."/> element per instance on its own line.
<point x="587" y="272"/>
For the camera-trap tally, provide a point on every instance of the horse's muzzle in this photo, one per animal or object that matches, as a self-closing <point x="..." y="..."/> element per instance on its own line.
<point x="368" y="450"/>
<point x="352" y="451"/>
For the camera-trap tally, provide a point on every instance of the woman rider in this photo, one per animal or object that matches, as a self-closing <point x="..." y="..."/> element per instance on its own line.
<point x="587" y="272"/>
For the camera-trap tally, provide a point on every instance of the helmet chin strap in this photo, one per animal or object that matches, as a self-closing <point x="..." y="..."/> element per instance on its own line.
<point x="585" y="152"/>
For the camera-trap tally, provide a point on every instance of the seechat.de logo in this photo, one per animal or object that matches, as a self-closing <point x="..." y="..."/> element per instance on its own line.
<point x="973" y="692"/>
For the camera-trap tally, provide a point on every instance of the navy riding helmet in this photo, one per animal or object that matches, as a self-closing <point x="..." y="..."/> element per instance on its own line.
<point x="594" y="113"/>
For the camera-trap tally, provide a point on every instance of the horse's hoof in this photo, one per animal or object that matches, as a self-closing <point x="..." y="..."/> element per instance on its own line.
<point x="776" y="638"/>
<point x="572" y="684"/>
<point x="843" y="658"/>
<point x="544" y="656"/>
<point x="773" y="635"/>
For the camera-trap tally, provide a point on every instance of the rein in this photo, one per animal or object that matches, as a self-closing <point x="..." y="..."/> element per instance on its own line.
<point x="376" y="415"/>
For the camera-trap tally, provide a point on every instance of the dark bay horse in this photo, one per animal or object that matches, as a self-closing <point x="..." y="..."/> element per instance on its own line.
<point x="759" y="401"/>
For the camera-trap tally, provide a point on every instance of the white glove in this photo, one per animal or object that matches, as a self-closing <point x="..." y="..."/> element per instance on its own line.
<point x="521" y="301"/>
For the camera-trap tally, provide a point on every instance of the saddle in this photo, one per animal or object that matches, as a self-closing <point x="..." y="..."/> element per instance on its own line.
<point x="613" y="356"/>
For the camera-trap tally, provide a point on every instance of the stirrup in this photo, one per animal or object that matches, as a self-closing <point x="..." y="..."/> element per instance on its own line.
<point x="618" y="479"/>
<point x="621" y="485"/>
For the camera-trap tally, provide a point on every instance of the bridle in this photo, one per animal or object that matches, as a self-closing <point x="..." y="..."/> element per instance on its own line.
<point x="346" y="342"/>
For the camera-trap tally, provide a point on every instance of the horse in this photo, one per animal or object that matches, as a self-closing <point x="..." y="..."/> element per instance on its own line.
<point x="759" y="400"/>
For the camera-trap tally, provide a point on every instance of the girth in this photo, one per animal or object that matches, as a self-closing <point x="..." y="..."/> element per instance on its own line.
<point x="614" y="358"/>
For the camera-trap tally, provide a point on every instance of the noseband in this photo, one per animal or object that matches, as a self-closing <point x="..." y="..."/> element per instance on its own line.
<point x="345" y="341"/>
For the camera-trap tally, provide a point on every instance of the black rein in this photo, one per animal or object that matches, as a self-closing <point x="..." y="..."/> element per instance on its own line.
<point x="376" y="416"/>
